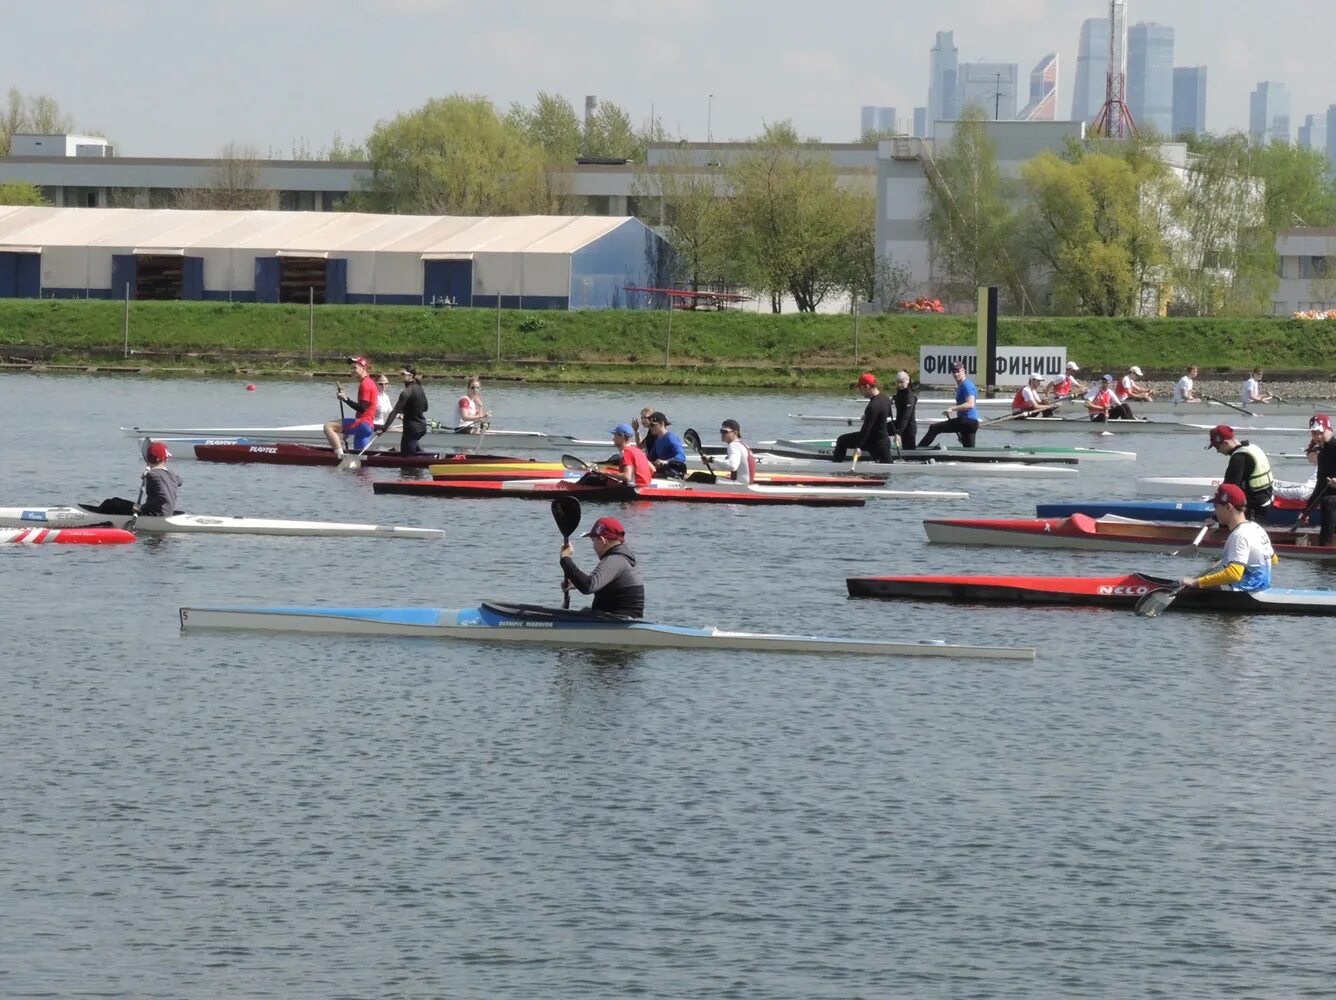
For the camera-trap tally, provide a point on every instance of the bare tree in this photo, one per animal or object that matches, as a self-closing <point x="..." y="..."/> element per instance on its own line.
<point x="234" y="183"/>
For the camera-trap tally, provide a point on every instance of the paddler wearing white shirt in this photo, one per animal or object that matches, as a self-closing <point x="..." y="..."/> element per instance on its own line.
<point x="1065" y="385"/>
<point x="383" y="403"/>
<point x="1029" y="398"/>
<point x="1101" y="403"/>
<point x="469" y="412"/>
<point x="738" y="458"/>
<point x="1184" y="389"/>
<point x="1248" y="556"/>
<point x="1128" y="389"/>
<point x="1252" y="390"/>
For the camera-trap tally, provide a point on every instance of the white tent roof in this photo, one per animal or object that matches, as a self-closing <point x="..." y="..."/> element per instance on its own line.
<point x="318" y="232"/>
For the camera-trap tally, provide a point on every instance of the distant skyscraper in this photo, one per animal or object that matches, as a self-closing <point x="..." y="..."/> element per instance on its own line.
<point x="920" y="121"/>
<point x="1189" y="100"/>
<point x="1313" y="133"/>
<point x="1043" y="104"/>
<point x="1092" y="68"/>
<point x="1150" y="77"/>
<point x="1331" y="137"/>
<point x="990" y="87"/>
<point x="943" y="103"/>
<point x="1269" y="113"/>
<point x="876" y="119"/>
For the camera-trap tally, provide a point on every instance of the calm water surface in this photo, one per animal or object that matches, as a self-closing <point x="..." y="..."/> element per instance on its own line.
<point x="1146" y="810"/>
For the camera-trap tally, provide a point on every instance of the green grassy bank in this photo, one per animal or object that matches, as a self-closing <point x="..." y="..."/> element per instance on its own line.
<point x="731" y="348"/>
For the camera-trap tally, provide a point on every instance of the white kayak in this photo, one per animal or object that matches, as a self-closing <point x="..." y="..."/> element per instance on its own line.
<point x="1038" y="454"/>
<point x="437" y="438"/>
<point x="89" y="515"/>
<point x="1198" y="487"/>
<point x="770" y="462"/>
<point x="1215" y="409"/>
<point x="1140" y="425"/>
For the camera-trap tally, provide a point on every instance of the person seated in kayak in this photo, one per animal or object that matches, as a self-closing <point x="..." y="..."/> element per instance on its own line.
<point x="362" y="427"/>
<point x="664" y="449"/>
<point x="412" y="407"/>
<point x="1248" y="557"/>
<point x="639" y="422"/>
<point x="471" y="415"/>
<point x="632" y="465"/>
<point x="874" y="436"/>
<point x="1297" y="490"/>
<point x="615" y="582"/>
<point x="905" y="404"/>
<point x="1062" y="387"/>
<point x="160" y="484"/>
<point x="963" y="417"/>
<point x="738" y="458"/>
<point x="1102" y="404"/>
<point x="1128" y="390"/>
<point x="1252" y="390"/>
<point x="1323" y="497"/>
<point x="1029" y="398"/>
<point x="1249" y="469"/>
<point x="1185" y="390"/>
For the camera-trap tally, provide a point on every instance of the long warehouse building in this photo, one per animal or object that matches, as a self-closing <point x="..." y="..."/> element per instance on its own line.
<point x="529" y="262"/>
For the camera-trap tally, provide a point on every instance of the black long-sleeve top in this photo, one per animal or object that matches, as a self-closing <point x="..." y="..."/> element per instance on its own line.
<point x="906" y="405"/>
<point x="876" y="422"/>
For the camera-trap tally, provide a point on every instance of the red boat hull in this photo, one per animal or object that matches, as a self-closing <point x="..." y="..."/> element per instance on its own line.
<point x="466" y="474"/>
<point x="305" y="454"/>
<point x="546" y="490"/>
<point x="66" y="536"/>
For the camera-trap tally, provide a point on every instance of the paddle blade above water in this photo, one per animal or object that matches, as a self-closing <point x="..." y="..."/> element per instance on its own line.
<point x="1155" y="602"/>
<point x="691" y="439"/>
<point x="566" y="512"/>
<point x="575" y="464"/>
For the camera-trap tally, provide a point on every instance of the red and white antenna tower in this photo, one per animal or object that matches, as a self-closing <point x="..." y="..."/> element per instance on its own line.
<point x="1115" y="120"/>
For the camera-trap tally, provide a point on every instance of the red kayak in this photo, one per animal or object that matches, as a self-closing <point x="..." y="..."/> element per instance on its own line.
<point x="66" y="536"/>
<point x="307" y="454"/>
<point x="665" y="489"/>
<point x="1088" y="591"/>
<point x="544" y="470"/>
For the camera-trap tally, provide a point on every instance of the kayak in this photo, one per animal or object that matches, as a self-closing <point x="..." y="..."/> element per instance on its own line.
<point x="667" y="489"/>
<point x="1139" y="425"/>
<point x="1205" y="410"/>
<point x="1090" y="591"/>
<point x="65" y="536"/>
<point x="528" y="469"/>
<point x="549" y="626"/>
<point x="1202" y="486"/>
<point x="1283" y="511"/>
<point x="825" y="447"/>
<point x="84" y="515"/>
<point x="1110" y="535"/>
<point x="292" y="453"/>
<point x="950" y="469"/>
<point x="437" y="438"/>
<point x="878" y="491"/>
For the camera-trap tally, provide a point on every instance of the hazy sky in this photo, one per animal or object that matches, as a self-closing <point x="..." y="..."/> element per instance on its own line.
<point x="185" y="77"/>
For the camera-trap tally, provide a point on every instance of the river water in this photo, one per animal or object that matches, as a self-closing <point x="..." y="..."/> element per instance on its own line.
<point x="1145" y="810"/>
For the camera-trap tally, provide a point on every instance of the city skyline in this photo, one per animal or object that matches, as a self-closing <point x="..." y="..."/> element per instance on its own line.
<point x="295" y="75"/>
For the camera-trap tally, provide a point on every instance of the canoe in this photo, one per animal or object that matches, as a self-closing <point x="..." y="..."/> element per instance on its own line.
<point x="550" y="626"/>
<point x="825" y="447"/>
<point x="1203" y="486"/>
<point x="1140" y="425"/>
<point x="1109" y="535"/>
<point x="1283" y="511"/>
<point x="666" y="490"/>
<point x="65" y="536"/>
<point x="438" y="438"/>
<point x="528" y="469"/>
<point x="293" y="453"/>
<point x="1089" y="591"/>
<point x="950" y="469"/>
<point x="1203" y="411"/>
<point x="83" y="515"/>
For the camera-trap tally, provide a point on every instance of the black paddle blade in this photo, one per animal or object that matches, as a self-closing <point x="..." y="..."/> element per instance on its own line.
<point x="691" y="439"/>
<point x="566" y="512"/>
<point x="1156" y="601"/>
<point x="575" y="464"/>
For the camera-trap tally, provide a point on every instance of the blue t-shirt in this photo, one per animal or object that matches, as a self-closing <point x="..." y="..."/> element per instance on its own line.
<point x="963" y="392"/>
<point x="667" y="447"/>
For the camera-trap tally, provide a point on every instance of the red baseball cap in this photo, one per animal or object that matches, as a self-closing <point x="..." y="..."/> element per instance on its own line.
<point x="1228" y="493"/>
<point x="157" y="452"/>
<point x="359" y="359"/>
<point x="606" y="527"/>
<point x="1320" y="422"/>
<point x="867" y="378"/>
<point x="1221" y="433"/>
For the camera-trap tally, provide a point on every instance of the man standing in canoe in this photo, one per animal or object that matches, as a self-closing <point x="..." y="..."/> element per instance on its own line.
<point x="1248" y="469"/>
<point x="664" y="449"/>
<point x="1248" y="557"/>
<point x="1323" y="498"/>
<point x="412" y="406"/>
<point x="905" y="424"/>
<point x="616" y="583"/>
<point x="738" y="458"/>
<point x="362" y="427"/>
<point x="631" y="462"/>
<point x="874" y="437"/>
<point x="963" y="418"/>
<point x="160" y="484"/>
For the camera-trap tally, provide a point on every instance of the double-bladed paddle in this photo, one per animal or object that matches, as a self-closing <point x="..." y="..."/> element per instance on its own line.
<point x="566" y="512"/>
<point x="1159" y="600"/>
<point x="692" y="441"/>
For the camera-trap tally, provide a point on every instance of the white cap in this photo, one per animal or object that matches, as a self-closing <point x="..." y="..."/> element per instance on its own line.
<point x="1072" y="366"/>
<point x="902" y="375"/>
<point x="1136" y="371"/>
<point x="1036" y="375"/>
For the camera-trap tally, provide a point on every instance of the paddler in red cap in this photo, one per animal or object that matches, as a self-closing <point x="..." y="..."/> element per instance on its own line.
<point x="1248" y="557"/>
<point x="160" y="483"/>
<point x="1248" y="469"/>
<point x="874" y="437"/>
<point x="362" y="426"/>
<point x="615" y="582"/>
<point x="1323" y="498"/>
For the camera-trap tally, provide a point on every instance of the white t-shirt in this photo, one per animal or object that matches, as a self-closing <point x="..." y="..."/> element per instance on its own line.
<point x="1031" y="398"/>
<point x="1125" y="386"/>
<point x="467" y="411"/>
<point x="1250" y="546"/>
<point x="1251" y="388"/>
<point x="1095" y="389"/>
<point x="1182" y="390"/>
<point x="1294" y="491"/>
<point x="383" y="404"/>
<point x="735" y="460"/>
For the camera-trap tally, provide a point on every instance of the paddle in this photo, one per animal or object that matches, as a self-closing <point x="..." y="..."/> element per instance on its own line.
<point x="355" y="461"/>
<point x="1213" y="399"/>
<point x="134" y="517"/>
<point x="566" y="512"/>
<point x="1046" y="408"/>
<point x="1159" y="600"/>
<point x="592" y="474"/>
<point x="692" y="440"/>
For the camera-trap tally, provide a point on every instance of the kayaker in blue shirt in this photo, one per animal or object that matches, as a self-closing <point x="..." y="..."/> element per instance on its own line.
<point x="664" y="449"/>
<point x="961" y="419"/>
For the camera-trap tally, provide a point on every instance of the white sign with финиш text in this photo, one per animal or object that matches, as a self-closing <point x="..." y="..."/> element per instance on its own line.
<point x="1014" y="364"/>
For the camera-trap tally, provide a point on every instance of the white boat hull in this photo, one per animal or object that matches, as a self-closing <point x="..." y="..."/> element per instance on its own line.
<point x="1041" y="454"/>
<point x="1200" y="487"/>
<point x="437" y="439"/>
<point x="79" y="516"/>
<point x="768" y="462"/>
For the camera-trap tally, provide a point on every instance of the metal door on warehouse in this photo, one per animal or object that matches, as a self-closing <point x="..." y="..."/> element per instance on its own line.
<point x="447" y="281"/>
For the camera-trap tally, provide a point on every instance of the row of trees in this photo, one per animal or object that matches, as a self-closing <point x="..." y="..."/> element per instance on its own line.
<point x="1097" y="229"/>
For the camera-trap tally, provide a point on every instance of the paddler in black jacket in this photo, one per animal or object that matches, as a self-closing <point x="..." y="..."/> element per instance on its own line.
<point x="1249" y="469"/>
<point x="1323" y="498"/>
<point x="616" y="583"/>
<point x="412" y="406"/>
<point x="905" y="424"/>
<point x="874" y="437"/>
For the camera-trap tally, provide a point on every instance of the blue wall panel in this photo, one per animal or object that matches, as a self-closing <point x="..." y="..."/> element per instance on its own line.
<point x="336" y="281"/>
<point x="268" y="274"/>
<point x="448" y="279"/>
<point x="632" y="254"/>
<point x="124" y="274"/>
<point x="192" y="279"/>
<point x="20" y="275"/>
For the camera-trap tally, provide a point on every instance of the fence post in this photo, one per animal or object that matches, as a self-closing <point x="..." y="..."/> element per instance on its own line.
<point x="127" y="319"/>
<point x="310" y="327"/>
<point x="498" y="326"/>
<point x="668" y="344"/>
<point x="855" y="331"/>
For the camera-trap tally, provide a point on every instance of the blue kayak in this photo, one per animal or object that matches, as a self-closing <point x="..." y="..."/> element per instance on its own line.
<point x="1154" y="510"/>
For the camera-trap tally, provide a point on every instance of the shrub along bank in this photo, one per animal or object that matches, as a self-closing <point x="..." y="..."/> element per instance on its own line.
<point x="729" y="348"/>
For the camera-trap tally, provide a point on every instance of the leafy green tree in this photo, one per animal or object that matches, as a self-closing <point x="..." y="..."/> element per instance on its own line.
<point x="551" y="124"/>
<point x="697" y="218"/>
<point x="452" y="156"/>
<point x="21" y="194"/>
<point x="609" y="134"/>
